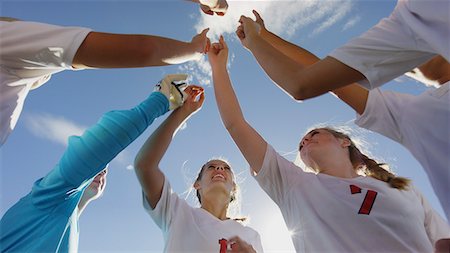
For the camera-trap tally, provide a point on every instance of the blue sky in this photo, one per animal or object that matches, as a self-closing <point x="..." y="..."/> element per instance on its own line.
<point x="73" y="100"/>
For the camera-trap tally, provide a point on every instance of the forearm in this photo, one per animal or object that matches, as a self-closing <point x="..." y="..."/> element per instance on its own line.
<point x="279" y="67"/>
<point x="249" y="142"/>
<point x="88" y="154"/>
<point x="299" y="81"/>
<point x="147" y="161"/>
<point x="354" y="96"/>
<point x="228" y="105"/>
<point x="103" y="50"/>
<point x="151" y="153"/>
<point x="293" y="51"/>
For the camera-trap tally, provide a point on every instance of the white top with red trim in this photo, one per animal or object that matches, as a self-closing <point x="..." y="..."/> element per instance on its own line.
<point x="421" y="124"/>
<point x="187" y="229"/>
<point x="363" y="214"/>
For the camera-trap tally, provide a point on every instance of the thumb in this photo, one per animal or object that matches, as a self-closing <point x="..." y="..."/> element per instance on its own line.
<point x="222" y="42"/>
<point x="205" y="31"/>
<point x="257" y="16"/>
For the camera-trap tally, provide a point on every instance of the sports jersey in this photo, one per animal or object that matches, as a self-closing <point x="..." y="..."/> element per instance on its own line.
<point x="414" y="32"/>
<point x="187" y="229"/>
<point x="46" y="220"/>
<point x="330" y="214"/>
<point x="29" y="53"/>
<point x="421" y="124"/>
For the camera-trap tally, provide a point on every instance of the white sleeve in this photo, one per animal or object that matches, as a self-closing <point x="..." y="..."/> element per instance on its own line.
<point x="30" y="49"/>
<point x="257" y="245"/>
<point x="278" y="175"/>
<point x="383" y="53"/>
<point x="165" y="208"/>
<point x="436" y="227"/>
<point x="383" y="113"/>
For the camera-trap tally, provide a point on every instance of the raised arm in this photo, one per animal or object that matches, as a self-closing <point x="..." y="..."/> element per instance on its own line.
<point x="147" y="160"/>
<point x="250" y="143"/>
<point x="289" y="49"/>
<point x="106" y="50"/>
<point x="299" y="81"/>
<point x="88" y="154"/>
<point x="353" y="94"/>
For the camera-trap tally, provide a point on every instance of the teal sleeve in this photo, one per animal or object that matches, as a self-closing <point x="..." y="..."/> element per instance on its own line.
<point x="88" y="154"/>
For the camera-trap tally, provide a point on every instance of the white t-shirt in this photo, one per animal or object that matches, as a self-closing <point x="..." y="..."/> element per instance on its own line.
<point x="194" y="230"/>
<point x="414" y="32"/>
<point x="29" y="53"/>
<point x="363" y="214"/>
<point x="421" y="124"/>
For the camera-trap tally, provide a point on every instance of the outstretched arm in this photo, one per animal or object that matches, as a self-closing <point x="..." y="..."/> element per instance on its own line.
<point x="88" y="154"/>
<point x="299" y="81"/>
<point x="251" y="144"/>
<point x="353" y="94"/>
<point x="147" y="160"/>
<point x="296" y="53"/>
<point x="106" y="50"/>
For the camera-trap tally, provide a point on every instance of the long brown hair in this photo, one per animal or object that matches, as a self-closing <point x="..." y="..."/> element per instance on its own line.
<point x="368" y="166"/>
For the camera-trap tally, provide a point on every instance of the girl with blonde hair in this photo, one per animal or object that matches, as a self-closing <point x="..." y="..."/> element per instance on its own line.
<point x="334" y="209"/>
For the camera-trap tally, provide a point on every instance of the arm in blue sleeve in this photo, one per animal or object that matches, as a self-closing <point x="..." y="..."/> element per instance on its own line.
<point x="89" y="154"/>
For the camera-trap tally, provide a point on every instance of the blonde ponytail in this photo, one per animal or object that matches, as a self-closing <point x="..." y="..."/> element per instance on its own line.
<point x="375" y="170"/>
<point x="371" y="167"/>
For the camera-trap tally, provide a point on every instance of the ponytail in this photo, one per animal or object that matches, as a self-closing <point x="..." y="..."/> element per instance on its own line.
<point x="371" y="167"/>
<point x="375" y="170"/>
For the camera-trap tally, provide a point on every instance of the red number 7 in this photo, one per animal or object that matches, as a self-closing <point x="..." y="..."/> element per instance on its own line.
<point x="223" y="245"/>
<point x="368" y="201"/>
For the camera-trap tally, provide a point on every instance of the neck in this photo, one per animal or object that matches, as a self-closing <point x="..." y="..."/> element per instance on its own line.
<point x="84" y="201"/>
<point x="336" y="168"/>
<point x="217" y="206"/>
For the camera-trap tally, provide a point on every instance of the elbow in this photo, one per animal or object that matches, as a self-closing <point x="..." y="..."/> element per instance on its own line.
<point x="300" y="94"/>
<point x="303" y="92"/>
<point x="229" y="121"/>
<point x="229" y="126"/>
<point x="295" y="90"/>
<point x="298" y="97"/>
<point x="232" y="126"/>
<point x="139" y="164"/>
<point x="303" y="86"/>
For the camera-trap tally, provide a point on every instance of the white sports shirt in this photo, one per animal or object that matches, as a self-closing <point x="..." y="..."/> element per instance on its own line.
<point x="421" y="124"/>
<point x="414" y="32"/>
<point x="29" y="53"/>
<point x="363" y="214"/>
<point x="194" y="230"/>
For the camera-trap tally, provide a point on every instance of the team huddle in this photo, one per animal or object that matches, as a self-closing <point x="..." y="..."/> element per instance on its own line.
<point x="338" y="187"/>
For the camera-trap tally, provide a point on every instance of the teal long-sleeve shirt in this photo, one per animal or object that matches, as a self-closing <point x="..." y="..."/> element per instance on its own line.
<point x="46" y="219"/>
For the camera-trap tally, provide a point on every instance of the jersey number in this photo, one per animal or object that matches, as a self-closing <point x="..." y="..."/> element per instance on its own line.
<point x="368" y="201"/>
<point x="223" y="245"/>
